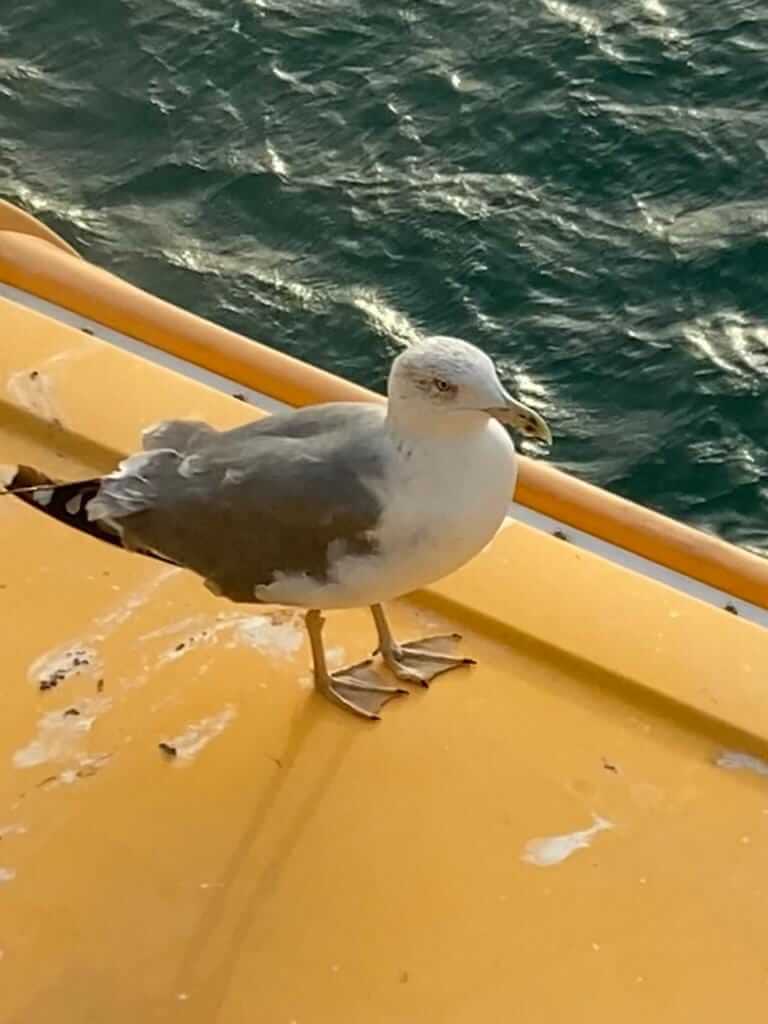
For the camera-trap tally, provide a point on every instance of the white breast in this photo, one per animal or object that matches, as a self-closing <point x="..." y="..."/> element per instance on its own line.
<point x="445" y="500"/>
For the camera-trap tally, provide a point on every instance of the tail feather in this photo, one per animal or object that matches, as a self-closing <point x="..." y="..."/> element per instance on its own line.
<point x="67" y="502"/>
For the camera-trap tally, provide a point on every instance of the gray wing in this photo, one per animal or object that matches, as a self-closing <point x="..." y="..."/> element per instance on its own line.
<point x="177" y="434"/>
<point x="189" y="435"/>
<point x="240" y="505"/>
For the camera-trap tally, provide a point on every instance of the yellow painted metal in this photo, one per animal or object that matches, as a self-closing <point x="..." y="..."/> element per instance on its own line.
<point x="304" y="866"/>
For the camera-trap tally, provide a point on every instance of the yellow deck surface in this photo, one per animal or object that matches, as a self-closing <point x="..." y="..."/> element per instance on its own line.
<point x="303" y="866"/>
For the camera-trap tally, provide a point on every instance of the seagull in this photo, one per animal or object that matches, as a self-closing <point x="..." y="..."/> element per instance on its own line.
<point x="332" y="506"/>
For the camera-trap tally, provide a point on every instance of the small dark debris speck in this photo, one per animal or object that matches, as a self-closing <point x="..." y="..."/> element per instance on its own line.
<point x="240" y="396"/>
<point x="179" y="647"/>
<point x="609" y="766"/>
<point x="99" y="685"/>
<point x="560" y="535"/>
<point x="70" y="712"/>
<point x="168" y="749"/>
<point x="34" y="374"/>
<point x="53" y="680"/>
<point x="404" y="977"/>
<point x="87" y="330"/>
<point x="732" y="609"/>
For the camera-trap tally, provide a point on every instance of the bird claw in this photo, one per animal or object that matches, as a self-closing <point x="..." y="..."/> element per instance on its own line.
<point x="421" y="661"/>
<point x="358" y="689"/>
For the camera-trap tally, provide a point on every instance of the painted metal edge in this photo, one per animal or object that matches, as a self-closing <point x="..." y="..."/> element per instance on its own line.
<point x="638" y="564"/>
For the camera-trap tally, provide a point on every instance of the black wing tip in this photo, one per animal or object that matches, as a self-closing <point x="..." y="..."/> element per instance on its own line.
<point x="19" y="477"/>
<point x="63" y="501"/>
<point x="66" y="502"/>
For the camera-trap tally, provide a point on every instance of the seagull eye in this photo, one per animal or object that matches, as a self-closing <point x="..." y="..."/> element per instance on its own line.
<point x="441" y="385"/>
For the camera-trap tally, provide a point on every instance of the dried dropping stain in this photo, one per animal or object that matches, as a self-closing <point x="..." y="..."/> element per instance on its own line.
<point x="65" y="665"/>
<point x="198" y="735"/>
<point x="59" y="734"/>
<point x="278" y="633"/>
<point x="545" y="851"/>
<point x="87" y="767"/>
<point x="12" y="830"/>
<point x="735" y="760"/>
<point x="33" y="391"/>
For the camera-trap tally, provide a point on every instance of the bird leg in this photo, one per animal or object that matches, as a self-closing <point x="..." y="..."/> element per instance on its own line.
<point x="419" y="661"/>
<point x="356" y="688"/>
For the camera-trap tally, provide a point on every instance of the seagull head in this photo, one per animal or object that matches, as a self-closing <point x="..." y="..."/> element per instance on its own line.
<point x="448" y="376"/>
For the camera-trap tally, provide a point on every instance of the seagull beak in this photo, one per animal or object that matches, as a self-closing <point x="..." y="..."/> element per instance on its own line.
<point x="518" y="416"/>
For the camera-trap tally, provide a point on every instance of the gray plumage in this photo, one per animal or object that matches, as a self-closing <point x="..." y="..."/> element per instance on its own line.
<point x="300" y="485"/>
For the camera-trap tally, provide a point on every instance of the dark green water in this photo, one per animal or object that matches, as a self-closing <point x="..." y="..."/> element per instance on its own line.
<point x="581" y="189"/>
